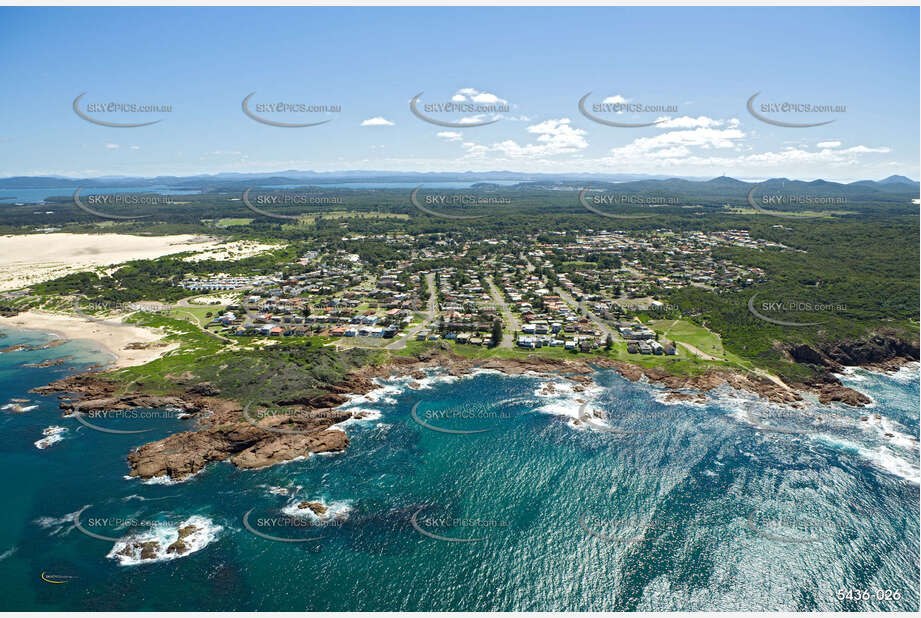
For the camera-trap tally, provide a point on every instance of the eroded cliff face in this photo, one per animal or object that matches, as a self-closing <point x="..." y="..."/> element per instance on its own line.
<point x="880" y="351"/>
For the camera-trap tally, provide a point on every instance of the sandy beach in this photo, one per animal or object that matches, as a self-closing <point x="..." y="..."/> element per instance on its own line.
<point x="117" y="339"/>
<point x="32" y="258"/>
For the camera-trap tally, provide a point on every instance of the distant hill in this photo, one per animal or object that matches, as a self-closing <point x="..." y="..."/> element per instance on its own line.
<point x="892" y="195"/>
<point x="297" y="176"/>
<point x="895" y="178"/>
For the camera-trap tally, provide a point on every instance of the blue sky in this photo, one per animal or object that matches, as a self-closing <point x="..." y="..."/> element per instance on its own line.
<point x="703" y="63"/>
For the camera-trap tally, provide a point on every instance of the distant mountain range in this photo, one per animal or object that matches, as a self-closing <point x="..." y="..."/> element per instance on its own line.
<point x="294" y="176"/>
<point x="895" y="182"/>
<point x="892" y="189"/>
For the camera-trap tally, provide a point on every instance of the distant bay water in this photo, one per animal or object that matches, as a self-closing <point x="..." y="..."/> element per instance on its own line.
<point x="40" y="194"/>
<point x="731" y="504"/>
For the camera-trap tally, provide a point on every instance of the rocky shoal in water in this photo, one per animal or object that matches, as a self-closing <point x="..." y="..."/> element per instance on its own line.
<point x="305" y="426"/>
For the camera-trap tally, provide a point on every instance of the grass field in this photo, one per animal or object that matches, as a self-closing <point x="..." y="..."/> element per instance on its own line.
<point x="825" y="214"/>
<point x="309" y="218"/>
<point x="228" y="221"/>
<point x="685" y="332"/>
<point x="199" y="314"/>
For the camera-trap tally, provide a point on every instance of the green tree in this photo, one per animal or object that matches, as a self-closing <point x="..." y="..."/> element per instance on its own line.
<point x="496" y="333"/>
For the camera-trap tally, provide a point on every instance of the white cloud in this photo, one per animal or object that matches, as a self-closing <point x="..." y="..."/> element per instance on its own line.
<point x="135" y="147"/>
<point x="476" y="118"/>
<point x="866" y="149"/>
<point x="112" y="146"/>
<point x="828" y="144"/>
<point x="672" y="157"/>
<point x="688" y="122"/>
<point x="451" y="136"/>
<point x="377" y="121"/>
<point x="616" y="99"/>
<point x="554" y="137"/>
<point x="664" y="145"/>
<point x="477" y="96"/>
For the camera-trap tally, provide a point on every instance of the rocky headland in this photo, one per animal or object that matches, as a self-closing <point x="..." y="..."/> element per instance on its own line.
<point x="250" y="438"/>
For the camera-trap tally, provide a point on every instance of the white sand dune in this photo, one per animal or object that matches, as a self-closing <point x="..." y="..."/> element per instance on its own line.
<point x="32" y="258"/>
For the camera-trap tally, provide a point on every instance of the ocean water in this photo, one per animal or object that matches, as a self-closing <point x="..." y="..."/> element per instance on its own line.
<point x="731" y="504"/>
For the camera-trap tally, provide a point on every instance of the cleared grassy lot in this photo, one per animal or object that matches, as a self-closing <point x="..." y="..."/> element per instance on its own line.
<point x="685" y="332"/>
<point x="198" y="314"/>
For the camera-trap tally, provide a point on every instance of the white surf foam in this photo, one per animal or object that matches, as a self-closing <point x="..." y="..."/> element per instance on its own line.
<point x="563" y="400"/>
<point x="336" y="510"/>
<point x="18" y="407"/>
<point x="907" y="373"/>
<point x="163" y="479"/>
<point x="881" y="457"/>
<point x="57" y="523"/>
<point x="52" y="434"/>
<point x="367" y="415"/>
<point x="663" y="398"/>
<point x="165" y="535"/>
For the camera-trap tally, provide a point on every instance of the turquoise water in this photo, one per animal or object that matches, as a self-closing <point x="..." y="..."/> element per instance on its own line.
<point x="715" y="506"/>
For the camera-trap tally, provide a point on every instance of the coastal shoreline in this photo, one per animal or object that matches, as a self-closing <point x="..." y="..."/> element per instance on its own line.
<point x="225" y="433"/>
<point x="129" y="345"/>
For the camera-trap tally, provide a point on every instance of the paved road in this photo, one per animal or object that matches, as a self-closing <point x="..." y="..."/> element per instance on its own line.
<point x="431" y="312"/>
<point x="580" y="308"/>
<point x="607" y="330"/>
<point x="511" y="322"/>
